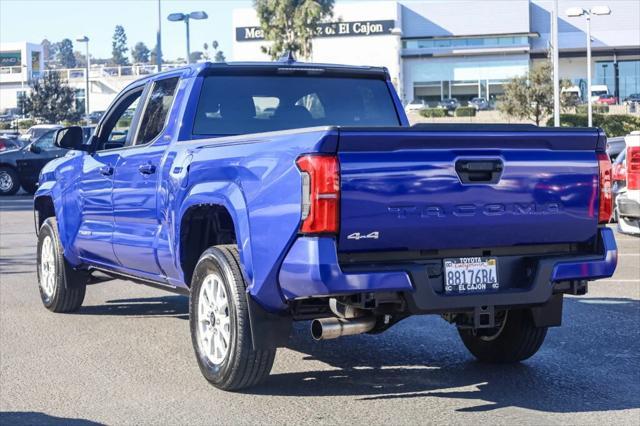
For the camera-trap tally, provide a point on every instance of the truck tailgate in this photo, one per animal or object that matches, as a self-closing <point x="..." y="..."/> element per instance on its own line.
<point x="427" y="188"/>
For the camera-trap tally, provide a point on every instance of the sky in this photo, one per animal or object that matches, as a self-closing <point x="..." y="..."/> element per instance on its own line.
<point x="34" y="20"/>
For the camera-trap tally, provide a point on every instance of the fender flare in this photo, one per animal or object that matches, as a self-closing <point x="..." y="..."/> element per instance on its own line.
<point x="227" y="195"/>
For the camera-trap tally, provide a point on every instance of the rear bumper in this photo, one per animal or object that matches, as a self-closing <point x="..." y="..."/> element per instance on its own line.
<point x="627" y="207"/>
<point x="311" y="270"/>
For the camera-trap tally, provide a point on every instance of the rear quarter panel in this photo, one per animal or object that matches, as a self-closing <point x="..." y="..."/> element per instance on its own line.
<point x="255" y="177"/>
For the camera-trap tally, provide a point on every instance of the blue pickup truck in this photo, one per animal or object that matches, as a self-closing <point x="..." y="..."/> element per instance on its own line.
<point x="285" y="191"/>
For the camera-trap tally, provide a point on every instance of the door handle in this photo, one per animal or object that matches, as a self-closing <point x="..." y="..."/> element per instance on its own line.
<point x="106" y="170"/>
<point x="479" y="171"/>
<point x="147" y="169"/>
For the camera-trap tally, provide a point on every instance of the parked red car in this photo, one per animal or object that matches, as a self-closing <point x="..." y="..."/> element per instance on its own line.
<point x="607" y="100"/>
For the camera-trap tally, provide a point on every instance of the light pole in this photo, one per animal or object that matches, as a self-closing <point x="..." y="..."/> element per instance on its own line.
<point x="177" y="17"/>
<point x="159" y="40"/>
<point x="85" y="39"/>
<point x="575" y="12"/>
<point x="556" y="64"/>
<point x="24" y="75"/>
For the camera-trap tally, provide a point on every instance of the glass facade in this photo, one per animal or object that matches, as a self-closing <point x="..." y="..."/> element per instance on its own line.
<point x="458" y="42"/>
<point x="628" y="77"/>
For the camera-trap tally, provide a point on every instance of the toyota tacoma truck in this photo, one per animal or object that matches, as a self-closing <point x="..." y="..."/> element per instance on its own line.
<point x="286" y="191"/>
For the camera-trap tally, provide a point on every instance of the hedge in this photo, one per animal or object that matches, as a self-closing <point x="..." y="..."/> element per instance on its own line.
<point x="433" y="112"/>
<point x="5" y="125"/>
<point x="597" y="109"/>
<point x="25" y="124"/>
<point x="465" y="112"/>
<point x="612" y="124"/>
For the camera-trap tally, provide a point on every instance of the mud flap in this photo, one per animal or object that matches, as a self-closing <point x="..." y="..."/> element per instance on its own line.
<point x="549" y="314"/>
<point x="268" y="330"/>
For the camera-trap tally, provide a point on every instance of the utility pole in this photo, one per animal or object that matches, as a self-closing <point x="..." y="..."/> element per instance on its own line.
<point x="159" y="40"/>
<point x="589" y="105"/>
<point x="575" y="12"/>
<point x="556" y="64"/>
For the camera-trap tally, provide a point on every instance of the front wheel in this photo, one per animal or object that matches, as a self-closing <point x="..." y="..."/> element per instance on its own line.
<point x="219" y="322"/>
<point x="515" y="339"/>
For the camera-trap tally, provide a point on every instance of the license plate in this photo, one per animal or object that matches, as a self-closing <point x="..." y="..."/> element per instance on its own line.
<point x="464" y="275"/>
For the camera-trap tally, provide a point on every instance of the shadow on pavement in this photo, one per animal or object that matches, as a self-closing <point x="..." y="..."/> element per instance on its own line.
<point x="165" y="306"/>
<point x="581" y="367"/>
<point x="35" y="418"/>
<point x="592" y="363"/>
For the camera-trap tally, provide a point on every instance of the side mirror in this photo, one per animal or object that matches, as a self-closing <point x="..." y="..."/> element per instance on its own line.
<point x="69" y="138"/>
<point x="35" y="148"/>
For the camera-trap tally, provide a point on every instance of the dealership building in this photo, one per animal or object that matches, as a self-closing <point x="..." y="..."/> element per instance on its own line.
<point x="436" y="49"/>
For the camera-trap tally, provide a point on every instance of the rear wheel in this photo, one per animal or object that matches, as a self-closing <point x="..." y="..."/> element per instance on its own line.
<point x="219" y="320"/>
<point x="514" y="340"/>
<point x="9" y="181"/>
<point x="62" y="289"/>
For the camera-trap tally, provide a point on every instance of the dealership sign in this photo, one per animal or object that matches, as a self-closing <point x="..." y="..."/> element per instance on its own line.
<point x="330" y="29"/>
<point x="10" y="59"/>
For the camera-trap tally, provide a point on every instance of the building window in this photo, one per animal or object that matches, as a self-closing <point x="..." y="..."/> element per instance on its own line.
<point x="446" y="42"/>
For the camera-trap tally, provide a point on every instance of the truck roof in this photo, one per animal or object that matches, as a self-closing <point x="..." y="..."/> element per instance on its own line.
<point x="284" y="66"/>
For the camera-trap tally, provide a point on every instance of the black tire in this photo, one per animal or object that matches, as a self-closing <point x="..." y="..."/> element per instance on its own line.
<point x="66" y="291"/>
<point x="9" y="181"/>
<point x="30" y="188"/>
<point x="516" y="340"/>
<point x="242" y="366"/>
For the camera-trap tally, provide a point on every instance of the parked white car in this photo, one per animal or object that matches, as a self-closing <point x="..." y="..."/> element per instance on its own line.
<point x="628" y="199"/>
<point x="38" y="130"/>
<point x="415" y="106"/>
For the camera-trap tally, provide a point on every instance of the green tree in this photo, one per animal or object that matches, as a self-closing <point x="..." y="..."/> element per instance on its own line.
<point x="52" y="100"/>
<point x="530" y="97"/>
<point x="81" y="59"/>
<point x="119" y="46"/>
<point x="290" y="24"/>
<point x="153" y="55"/>
<point x="219" y="56"/>
<point x="140" y="53"/>
<point x="48" y="52"/>
<point x="64" y="54"/>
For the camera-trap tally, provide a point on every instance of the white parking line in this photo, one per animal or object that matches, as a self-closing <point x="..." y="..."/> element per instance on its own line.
<point x="617" y="281"/>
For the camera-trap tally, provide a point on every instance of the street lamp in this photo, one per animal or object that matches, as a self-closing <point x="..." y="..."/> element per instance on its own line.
<point x="177" y="17"/>
<point x="575" y="12"/>
<point x="85" y="39"/>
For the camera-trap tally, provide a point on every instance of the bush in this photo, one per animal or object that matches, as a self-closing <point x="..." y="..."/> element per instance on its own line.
<point x="465" y="112"/>
<point x="612" y="124"/>
<point x="68" y="123"/>
<point x="26" y="123"/>
<point x="597" y="109"/>
<point x="124" y="122"/>
<point x="5" y="125"/>
<point x="433" y="112"/>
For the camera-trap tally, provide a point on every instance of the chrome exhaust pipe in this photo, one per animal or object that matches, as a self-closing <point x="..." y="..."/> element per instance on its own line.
<point x="332" y="328"/>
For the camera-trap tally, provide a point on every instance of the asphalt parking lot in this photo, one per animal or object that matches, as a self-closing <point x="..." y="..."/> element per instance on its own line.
<point x="126" y="358"/>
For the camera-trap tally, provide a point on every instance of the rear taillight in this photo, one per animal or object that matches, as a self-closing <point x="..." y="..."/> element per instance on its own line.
<point x="618" y="172"/>
<point x="606" y="201"/>
<point x="633" y="167"/>
<point x="320" y="193"/>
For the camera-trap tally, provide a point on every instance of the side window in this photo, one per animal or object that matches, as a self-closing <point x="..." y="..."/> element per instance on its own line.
<point x="116" y="127"/>
<point x="156" y="110"/>
<point x="45" y="142"/>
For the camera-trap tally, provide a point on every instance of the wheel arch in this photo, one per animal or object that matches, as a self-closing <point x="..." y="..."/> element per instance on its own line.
<point x="212" y="214"/>
<point x="43" y="208"/>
